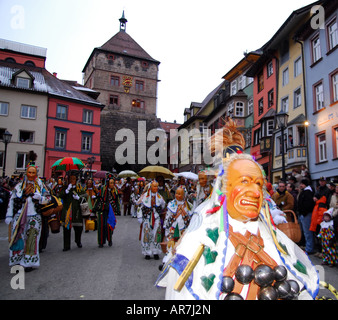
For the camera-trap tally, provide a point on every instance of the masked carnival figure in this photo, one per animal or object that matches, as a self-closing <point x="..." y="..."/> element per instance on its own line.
<point x="71" y="216"/>
<point x="106" y="206"/>
<point x="148" y="214"/>
<point x="203" y="190"/>
<point x="233" y="251"/>
<point x="176" y="221"/>
<point x="23" y="214"/>
<point x="57" y="187"/>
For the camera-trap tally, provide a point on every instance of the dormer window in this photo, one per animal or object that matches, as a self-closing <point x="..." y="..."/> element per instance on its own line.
<point x="22" y="79"/>
<point x="23" y="82"/>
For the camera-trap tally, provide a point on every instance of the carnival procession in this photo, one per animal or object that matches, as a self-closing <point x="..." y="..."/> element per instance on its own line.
<point x="220" y="234"/>
<point x="201" y="178"/>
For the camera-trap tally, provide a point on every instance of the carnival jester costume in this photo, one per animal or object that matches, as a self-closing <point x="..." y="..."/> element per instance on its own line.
<point x="148" y="215"/>
<point x="177" y="217"/>
<point x="23" y="214"/>
<point x="106" y="207"/>
<point x="203" y="190"/>
<point x="231" y="250"/>
<point x="71" y="216"/>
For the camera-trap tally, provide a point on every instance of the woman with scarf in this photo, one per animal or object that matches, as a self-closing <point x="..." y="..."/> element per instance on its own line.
<point x="24" y="216"/>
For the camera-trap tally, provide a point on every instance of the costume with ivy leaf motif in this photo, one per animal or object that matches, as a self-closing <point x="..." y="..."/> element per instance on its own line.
<point x="232" y="238"/>
<point x="26" y="223"/>
<point x="212" y="230"/>
<point x="148" y="214"/>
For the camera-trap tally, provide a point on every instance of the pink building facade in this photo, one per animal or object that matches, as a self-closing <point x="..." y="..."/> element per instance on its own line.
<point x="73" y="130"/>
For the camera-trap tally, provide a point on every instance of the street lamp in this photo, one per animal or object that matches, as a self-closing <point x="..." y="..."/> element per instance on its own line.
<point x="90" y="161"/>
<point x="6" y="138"/>
<point x="282" y="122"/>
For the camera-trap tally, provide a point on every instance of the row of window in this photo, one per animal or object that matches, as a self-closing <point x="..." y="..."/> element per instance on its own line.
<point x="332" y="41"/>
<point x="138" y="103"/>
<point x="316" y="55"/>
<point x="61" y="140"/>
<point x="26" y="136"/>
<point x="239" y="84"/>
<point x="62" y="113"/>
<point x="298" y="140"/>
<point x="318" y="96"/>
<point x="321" y="145"/>
<point x="30" y="112"/>
<point x="26" y="112"/>
<point x="318" y="91"/>
<point x="127" y="81"/>
<point x="297" y="70"/>
<point x="112" y="57"/>
<point x="21" y="160"/>
<point x="27" y="63"/>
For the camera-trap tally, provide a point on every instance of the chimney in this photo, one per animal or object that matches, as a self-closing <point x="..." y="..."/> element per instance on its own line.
<point x="55" y="74"/>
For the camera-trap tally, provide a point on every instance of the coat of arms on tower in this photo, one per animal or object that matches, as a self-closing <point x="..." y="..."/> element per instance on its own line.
<point x="127" y="82"/>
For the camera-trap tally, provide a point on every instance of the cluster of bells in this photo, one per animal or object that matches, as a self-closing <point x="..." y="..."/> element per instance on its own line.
<point x="272" y="282"/>
<point x="18" y="202"/>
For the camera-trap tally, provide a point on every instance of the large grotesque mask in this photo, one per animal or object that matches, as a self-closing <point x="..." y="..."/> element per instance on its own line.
<point x="243" y="179"/>
<point x="244" y="189"/>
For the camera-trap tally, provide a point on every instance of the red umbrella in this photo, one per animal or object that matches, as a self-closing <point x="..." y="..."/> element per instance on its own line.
<point x="68" y="163"/>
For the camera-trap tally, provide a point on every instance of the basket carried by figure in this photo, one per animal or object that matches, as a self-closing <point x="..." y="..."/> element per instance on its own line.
<point x="54" y="223"/>
<point x="84" y="207"/>
<point x="292" y="227"/>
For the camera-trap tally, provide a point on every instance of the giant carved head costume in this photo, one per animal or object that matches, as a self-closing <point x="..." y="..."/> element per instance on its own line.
<point x="243" y="178"/>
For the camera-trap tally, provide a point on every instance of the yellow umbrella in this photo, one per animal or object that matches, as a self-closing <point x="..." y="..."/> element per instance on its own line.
<point x="151" y="172"/>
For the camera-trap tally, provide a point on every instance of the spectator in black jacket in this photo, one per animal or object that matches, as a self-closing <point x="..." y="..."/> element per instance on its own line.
<point x="323" y="190"/>
<point x="291" y="188"/>
<point x="305" y="205"/>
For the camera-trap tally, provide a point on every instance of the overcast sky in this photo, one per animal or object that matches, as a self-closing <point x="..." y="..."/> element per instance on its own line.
<point x="196" y="41"/>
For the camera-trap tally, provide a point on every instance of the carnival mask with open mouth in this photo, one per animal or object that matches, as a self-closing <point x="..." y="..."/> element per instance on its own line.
<point x="244" y="190"/>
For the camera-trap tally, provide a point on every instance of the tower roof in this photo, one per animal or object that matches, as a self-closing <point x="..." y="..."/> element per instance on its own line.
<point x="123" y="43"/>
